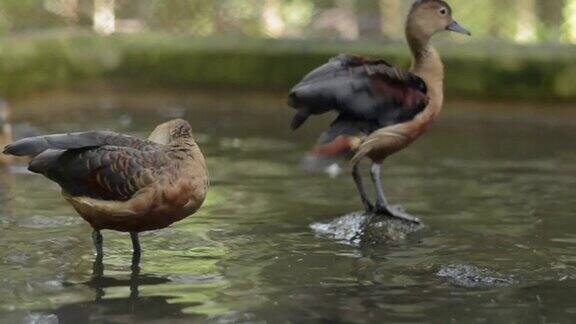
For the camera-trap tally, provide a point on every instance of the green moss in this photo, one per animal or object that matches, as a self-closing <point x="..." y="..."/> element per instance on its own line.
<point x="48" y="61"/>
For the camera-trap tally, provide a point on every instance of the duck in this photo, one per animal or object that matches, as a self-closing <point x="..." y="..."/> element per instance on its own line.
<point x="5" y="129"/>
<point x="120" y="182"/>
<point x="381" y="109"/>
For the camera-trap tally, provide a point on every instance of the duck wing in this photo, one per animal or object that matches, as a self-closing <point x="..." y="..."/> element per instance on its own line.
<point x="107" y="173"/>
<point x="33" y="146"/>
<point x="368" y="89"/>
<point x="100" y="165"/>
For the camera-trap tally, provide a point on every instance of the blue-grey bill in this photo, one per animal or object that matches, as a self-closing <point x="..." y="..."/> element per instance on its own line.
<point x="457" y="28"/>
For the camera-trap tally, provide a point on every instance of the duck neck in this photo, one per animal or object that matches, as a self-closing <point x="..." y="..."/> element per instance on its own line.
<point x="427" y="65"/>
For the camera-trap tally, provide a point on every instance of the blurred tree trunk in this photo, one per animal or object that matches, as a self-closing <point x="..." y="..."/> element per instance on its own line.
<point x="349" y="29"/>
<point x="70" y="10"/>
<point x="550" y="11"/>
<point x="63" y="8"/>
<point x="74" y="9"/>
<point x="105" y="16"/>
<point x="85" y="13"/>
<point x="272" y="19"/>
<point x="493" y="25"/>
<point x="369" y="19"/>
<point x="569" y="29"/>
<point x="499" y="18"/>
<point x="551" y="16"/>
<point x="219" y="24"/>
<point x="526" y="24"/>
<point x="323" y="4"/>
<point x="392" y="18"/>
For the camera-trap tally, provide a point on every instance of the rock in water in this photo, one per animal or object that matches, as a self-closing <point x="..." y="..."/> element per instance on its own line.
<point x="469" y="276"/>
<point x="361" y="228"/>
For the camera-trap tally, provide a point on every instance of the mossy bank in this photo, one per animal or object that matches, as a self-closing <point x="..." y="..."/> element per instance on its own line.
<point x="37" y="62"/>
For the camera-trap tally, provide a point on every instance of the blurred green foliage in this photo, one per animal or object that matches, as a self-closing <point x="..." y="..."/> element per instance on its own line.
<point x="272" y="43"/>
<point x="511" y="20"/>
<point x="33" y="63"/>
<point x="25" y="15"/>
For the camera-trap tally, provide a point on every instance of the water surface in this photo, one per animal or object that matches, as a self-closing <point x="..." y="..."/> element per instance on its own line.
<point x="494" y="182"/>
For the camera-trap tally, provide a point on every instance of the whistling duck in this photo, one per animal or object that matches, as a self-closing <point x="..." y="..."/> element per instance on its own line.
<point x="382" y="109"/>
<point x="5" y="129"/>
<point x="123" y="183"/>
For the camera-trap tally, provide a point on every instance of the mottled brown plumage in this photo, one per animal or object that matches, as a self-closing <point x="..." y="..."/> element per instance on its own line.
<point x="382" y="109"/>
<point x="120" y="182"/>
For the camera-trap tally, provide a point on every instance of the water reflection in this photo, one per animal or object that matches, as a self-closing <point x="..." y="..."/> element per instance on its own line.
<point x="133" y="307"/>
<point x="496" y="194"/>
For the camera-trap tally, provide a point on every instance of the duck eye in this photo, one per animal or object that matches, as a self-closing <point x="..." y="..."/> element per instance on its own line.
<point x="443" y="11"/>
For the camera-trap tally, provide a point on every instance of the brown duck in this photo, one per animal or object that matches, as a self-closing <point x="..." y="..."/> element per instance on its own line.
<point x="122" y="183"/>
<point x="381" y="109"/>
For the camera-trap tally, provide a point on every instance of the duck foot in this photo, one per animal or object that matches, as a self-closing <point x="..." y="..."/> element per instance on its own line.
<point x="396" y="212"/>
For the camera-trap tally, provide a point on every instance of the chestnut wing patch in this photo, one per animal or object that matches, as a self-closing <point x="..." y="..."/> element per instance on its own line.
<point x="403" y="95"/>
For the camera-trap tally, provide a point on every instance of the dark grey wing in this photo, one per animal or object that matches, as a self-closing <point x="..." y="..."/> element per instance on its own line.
<point x="106" y="173"/>
<point x="312" y="95"/>
<point x="347" y="125"/>
<point x="339" y="66"/>
<point x="333" y="67"/>
<point x="33" y="146"/>
<point x="352" y="85"/>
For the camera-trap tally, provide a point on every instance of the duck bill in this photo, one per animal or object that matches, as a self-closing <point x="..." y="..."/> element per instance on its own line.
<point x="457" y="28"/>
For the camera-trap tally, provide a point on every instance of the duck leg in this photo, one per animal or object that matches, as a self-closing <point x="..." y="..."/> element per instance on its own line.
<point x="382" y="205"/>
<point x="98" y="267"/>
<point x="97" y="277"/>
<point x="134" y="283"/>
<point x="360" y="185"/>
<point x="98" y="243"/>
<point x="137" y="251"/>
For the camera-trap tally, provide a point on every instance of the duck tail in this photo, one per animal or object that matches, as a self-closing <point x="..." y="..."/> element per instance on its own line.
<point x="324" y="155"/>
<point x="33" y="146"/>
<point x="299" y="119"/>
<point x="340" y="147"/>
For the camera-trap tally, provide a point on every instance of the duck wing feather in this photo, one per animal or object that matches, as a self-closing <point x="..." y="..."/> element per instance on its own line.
<point x="109" y="173"/>
<point x="33" y="146"/>
<point x="100" y="165"/>
<point x="368" y="89"/>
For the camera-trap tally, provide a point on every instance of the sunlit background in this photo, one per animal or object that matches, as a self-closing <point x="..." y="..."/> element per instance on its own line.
<point x="523" y="21"/>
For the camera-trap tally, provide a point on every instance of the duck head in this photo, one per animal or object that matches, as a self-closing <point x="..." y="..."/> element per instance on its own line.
<point x="429" y="17"/>
<point x="171" y="131"/>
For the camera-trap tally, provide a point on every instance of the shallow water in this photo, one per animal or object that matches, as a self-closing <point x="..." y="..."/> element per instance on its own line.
<point x="495" y="184"/>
